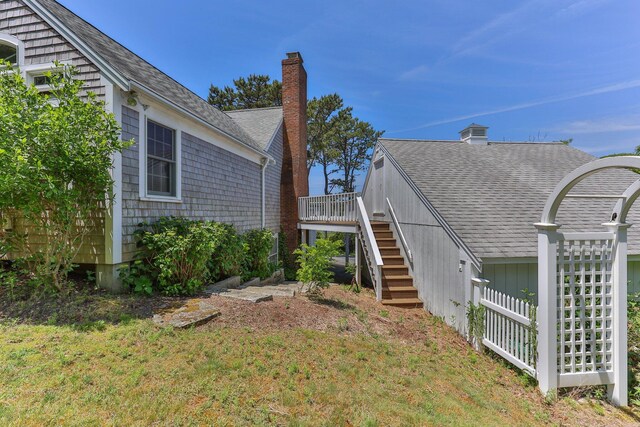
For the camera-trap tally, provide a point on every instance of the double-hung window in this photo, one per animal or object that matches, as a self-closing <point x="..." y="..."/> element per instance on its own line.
<point x="161" y="160"/>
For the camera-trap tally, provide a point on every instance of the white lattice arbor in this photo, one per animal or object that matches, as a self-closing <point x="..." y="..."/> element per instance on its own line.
<point x="582" y="292"/>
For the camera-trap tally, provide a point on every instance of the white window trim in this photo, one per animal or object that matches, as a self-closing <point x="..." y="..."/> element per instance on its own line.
<point x="30" y="72"/>
<point x="166" y="121"/>
<point x="13" y="41"/>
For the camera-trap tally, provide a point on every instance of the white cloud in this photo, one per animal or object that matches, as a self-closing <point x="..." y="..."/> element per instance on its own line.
<point x="413" y="74"/>
<point x="602" y="125"/>
<point x="590" y="92"/>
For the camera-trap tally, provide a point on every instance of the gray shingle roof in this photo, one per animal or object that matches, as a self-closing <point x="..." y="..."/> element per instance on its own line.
<point x="491" y="195"/>
<point x="140" y="71"/>
<point x="259" y="123"/>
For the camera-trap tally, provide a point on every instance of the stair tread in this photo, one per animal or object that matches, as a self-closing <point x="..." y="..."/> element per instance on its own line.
<point x="399" y="277"/>
<point x="401" y="301"/>
<point x="394" y="267"/>
<point x="399" y="288"/>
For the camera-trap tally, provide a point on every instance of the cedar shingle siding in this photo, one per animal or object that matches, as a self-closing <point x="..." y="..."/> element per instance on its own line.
<point x="43" y="44"/>
<point x="216" y="185"/>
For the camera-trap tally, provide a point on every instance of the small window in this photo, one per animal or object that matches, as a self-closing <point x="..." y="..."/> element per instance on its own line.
<point x="9" y="53"/>
<point x="161" y="160"/>
<point x="42" y="80"/>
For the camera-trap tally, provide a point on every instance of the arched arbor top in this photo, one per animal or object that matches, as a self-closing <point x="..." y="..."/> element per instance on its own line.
<point x="563" y="188"/>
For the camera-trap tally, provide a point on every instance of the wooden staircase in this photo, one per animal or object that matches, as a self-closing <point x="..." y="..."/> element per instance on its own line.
<point x="397" y="284"/>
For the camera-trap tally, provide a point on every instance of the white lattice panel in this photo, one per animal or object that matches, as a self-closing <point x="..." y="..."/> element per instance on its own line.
<point x="585" y="304"/>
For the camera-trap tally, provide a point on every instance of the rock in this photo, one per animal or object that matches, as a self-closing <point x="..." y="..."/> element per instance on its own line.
<point x="194" y="313"/>
<point x="245" y="295"/>
<point x="229" y="283"/>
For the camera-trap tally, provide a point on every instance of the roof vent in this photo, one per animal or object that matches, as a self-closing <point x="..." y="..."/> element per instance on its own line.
<point x="474" y="134"/>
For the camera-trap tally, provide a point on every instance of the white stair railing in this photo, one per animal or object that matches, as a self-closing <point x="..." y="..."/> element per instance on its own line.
<point x="405" y="246"/>
<point x="328" y="208"/>
<point x="372" y="252"/>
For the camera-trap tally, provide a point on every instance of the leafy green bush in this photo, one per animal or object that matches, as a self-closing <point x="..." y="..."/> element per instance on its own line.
<point x="315" y="263"/>
<point x="258" y="244"/>
<point x="178" y="253"/>
<point x="228" y="258"/>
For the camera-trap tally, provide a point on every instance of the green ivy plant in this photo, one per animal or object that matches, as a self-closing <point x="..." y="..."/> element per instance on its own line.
<point x="475" y="318"/>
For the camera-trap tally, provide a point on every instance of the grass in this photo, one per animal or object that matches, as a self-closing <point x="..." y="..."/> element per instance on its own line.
<point x="135" y="374"/>
<point x="117" y="368"/>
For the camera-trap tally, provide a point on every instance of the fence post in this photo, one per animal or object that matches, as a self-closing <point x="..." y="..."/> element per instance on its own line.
<point x="617" y="392"/>
<point x="477" y="295"/>
<point x="547" y="366"/>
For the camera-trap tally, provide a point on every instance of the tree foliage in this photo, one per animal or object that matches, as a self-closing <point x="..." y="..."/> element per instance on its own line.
<point x="352" y="140"/>
<point x="337" y="141"/>
<point x="55" y="160"/>
<point x="255" y="91"/>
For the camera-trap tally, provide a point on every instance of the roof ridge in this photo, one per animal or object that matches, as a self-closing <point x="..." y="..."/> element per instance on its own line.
<point x="463" y="142"/>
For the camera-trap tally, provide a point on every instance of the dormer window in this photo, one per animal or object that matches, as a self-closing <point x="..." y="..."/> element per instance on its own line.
<point x="11" y="50"/>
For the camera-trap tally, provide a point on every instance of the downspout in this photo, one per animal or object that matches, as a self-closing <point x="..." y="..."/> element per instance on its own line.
<point x="263" y="207"/>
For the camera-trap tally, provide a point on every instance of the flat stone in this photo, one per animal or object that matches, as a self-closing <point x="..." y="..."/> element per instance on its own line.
<point x="253" y="282"/>
<point x="194" y="313"/>
<point x="229" y="283"/>
<point x="273" y="290"/>
<point x="248" y="296"/>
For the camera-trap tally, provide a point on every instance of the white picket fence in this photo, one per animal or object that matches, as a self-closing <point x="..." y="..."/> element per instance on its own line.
<point x="507" y="328"/>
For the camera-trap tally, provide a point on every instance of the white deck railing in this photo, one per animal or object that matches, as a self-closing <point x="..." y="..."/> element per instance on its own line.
<point x="507" y="328"/>
<point x="372" y="257"/>
<point x="329" y="208"/>
<point x="405" y="246"/>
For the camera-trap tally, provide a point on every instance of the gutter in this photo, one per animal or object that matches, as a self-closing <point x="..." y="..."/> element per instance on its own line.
<point x="263" y="198"/>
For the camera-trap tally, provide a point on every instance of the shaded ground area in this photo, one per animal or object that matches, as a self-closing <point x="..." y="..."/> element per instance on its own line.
<point x="338" y="359"/>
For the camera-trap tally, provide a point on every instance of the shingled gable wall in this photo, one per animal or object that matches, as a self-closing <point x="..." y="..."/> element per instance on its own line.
<point x="294" y="181"/>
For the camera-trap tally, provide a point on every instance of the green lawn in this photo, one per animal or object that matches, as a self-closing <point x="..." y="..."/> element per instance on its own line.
<point x="132" y="373"/>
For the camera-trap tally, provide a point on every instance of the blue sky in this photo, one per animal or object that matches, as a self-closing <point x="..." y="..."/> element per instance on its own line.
<point x="530" y="70"/>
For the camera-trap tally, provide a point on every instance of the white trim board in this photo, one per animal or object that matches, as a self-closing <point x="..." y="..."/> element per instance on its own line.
<point x="447" y="228"/>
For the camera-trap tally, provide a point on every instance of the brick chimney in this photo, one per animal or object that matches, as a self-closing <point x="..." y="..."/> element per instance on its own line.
<point x="295" y="180"/>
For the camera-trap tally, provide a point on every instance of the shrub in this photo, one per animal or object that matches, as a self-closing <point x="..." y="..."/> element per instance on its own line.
<point x="55" y="165"/>
<point x="228" y="258"/>
<point x="177" y="253"/>
<point x="258" y="244"/>
<point x="315" y="263"/>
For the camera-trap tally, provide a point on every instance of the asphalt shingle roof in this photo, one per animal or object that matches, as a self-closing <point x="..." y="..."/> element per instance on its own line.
<point x="491" y="195"/>
<point x="260" y="123"/>
<point x="140" y="71"/>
